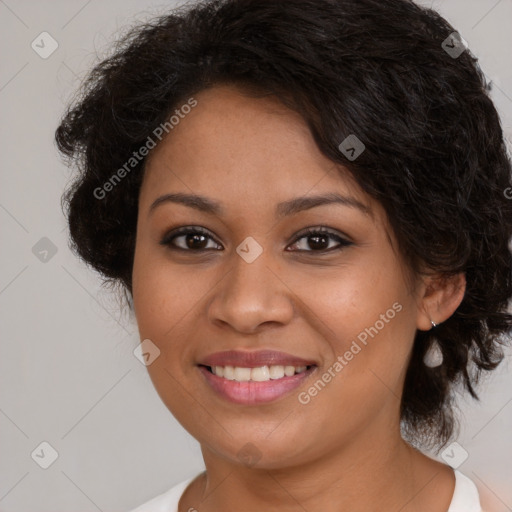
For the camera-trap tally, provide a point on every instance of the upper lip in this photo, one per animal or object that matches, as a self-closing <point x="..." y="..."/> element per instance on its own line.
<point x="244" y="359"/>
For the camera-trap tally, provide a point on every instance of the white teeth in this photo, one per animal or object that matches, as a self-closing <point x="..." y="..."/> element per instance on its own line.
<point x="289" y="371"/>
<point x="259" y="374"/>
<point x="242" y="374"/>
<point x="276" y="372"/>
<point x="229" y="372"/>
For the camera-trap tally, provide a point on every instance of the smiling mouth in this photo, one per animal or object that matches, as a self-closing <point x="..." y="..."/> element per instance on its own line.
<point x="258" y="374"/>
<point x="256" y="385"/>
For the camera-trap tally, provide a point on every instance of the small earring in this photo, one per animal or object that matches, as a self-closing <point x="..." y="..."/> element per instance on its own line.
<point x="433" y="357"/>
<point x="433" y="323"/>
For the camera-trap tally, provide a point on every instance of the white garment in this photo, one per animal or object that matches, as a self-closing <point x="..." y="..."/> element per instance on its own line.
<point x="465" y="497"/>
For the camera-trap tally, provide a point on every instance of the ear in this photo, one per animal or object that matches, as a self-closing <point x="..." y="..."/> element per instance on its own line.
<point x="439" y="297"/>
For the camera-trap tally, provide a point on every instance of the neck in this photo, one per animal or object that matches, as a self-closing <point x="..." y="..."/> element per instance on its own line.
<point x="370" y="473"/>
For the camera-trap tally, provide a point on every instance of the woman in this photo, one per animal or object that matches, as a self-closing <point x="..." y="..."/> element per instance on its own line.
<point x="305" y="203"/>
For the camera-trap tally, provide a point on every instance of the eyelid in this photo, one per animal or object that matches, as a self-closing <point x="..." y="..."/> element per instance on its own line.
<point x="342" y="239"/>
<point x="312" y="230"/>
<point x="184" y="230"/>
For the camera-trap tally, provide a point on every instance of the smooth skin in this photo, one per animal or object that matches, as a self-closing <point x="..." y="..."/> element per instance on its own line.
<point x="342" y="450"/>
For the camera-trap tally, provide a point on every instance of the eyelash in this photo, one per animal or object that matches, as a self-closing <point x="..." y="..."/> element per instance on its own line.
<point x="308" y="232"/>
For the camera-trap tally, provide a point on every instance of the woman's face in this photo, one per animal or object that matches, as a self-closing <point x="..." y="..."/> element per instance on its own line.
<point x="253" y="291"/>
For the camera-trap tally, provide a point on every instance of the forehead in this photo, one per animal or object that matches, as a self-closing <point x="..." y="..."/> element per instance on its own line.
<point x="244" y="145"/>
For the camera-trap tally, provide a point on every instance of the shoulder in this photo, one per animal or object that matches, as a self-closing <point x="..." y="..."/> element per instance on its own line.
<point x="465" y="496"/>
<point x="167" y="501"/>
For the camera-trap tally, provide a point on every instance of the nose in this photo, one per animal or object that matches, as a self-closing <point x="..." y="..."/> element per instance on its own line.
<point x="251" y="295"/>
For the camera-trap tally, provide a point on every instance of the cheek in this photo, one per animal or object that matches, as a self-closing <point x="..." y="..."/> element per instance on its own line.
<point x="367" y="317"/>
<point x="161" y="291"/>
<point x="353" y="298"/>
<point x="164" y="302"/>
<point x="156" y="291"/>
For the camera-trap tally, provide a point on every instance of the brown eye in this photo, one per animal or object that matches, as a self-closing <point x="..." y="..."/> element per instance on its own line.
<point x="191" y="238"/>
<point x="318" y="240"/>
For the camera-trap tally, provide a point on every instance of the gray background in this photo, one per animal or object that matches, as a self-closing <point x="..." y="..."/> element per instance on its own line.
<point x="68" y="375"/>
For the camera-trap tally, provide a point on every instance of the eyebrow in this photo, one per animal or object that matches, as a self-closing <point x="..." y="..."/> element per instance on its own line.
<point x="284" y="209"/>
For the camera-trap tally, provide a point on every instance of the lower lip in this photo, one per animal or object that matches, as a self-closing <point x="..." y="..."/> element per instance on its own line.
<point x="251" y="392"/>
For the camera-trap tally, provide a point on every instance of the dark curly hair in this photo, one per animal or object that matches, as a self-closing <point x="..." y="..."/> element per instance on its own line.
<point x="435" y="155"/>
